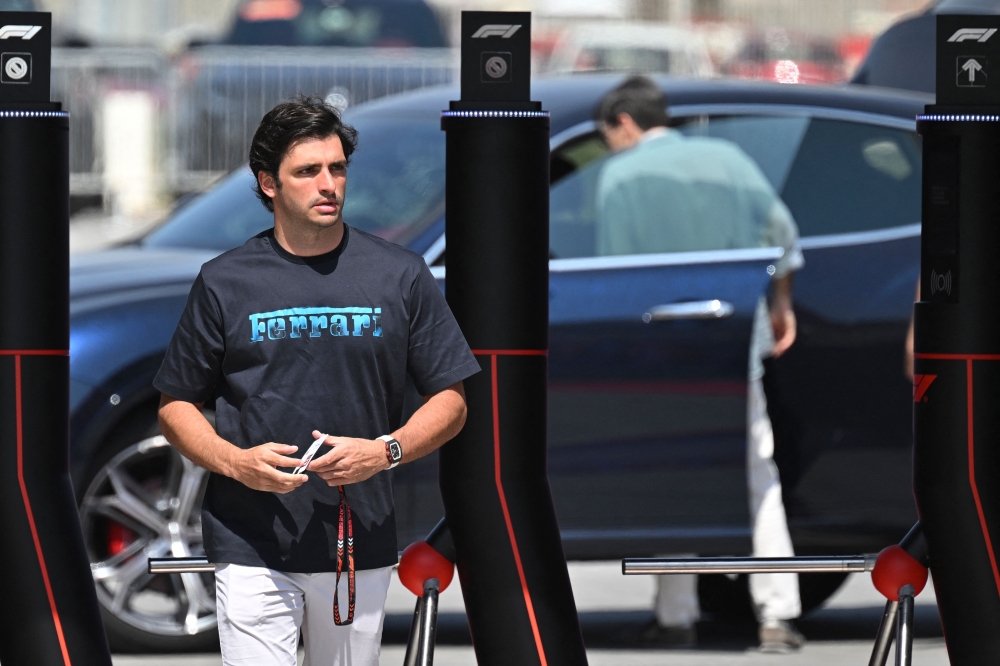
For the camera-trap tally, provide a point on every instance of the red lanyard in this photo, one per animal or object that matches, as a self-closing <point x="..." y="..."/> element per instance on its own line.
<point x="345" y="517"/>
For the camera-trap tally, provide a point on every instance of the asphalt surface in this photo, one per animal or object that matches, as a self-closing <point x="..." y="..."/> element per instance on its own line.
<point x="614" y="610"/>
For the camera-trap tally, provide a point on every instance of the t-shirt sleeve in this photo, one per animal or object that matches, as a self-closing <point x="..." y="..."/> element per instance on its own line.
<point x="779" y="228"/>
<point x="438" y="355"/>
<point x="781" y="231"/>
<point x="193" y="364"/>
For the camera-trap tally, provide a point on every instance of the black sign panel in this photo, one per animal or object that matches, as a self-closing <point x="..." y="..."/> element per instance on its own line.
<point x="25" y="56"/>
<point x="968" y="60"/>
<point x="496" y="56"/>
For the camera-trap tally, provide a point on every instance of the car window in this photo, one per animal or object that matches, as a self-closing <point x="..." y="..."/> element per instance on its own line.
<point x="851" y="177"/>
<point x="771" y="142"/>
<point x="833" y="176"/>
<point x="395" y="190"/>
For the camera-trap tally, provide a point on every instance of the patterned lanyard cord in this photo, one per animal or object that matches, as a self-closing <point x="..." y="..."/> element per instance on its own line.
<point x="345" y="517"/>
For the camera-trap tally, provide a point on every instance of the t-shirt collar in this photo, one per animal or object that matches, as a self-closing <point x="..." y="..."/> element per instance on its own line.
<point x="307" y="261"/>
<point x="653" y="133"/>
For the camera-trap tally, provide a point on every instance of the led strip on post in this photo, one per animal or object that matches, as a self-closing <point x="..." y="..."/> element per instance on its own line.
<point x="34" y="114"/>
<point x="959" y="118"/>
<point x="495" y="114"/>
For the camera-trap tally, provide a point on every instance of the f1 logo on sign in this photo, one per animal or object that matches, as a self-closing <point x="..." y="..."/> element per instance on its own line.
<point x="496" y="30"/>
<point x="972" y="34"/>
<point x="15" y="68"/>
<point x="22" y="31"/>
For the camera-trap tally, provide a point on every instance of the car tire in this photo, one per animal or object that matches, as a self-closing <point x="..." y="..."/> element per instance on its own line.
<point x="143" y="499"/>
<point x="729" y="600"/>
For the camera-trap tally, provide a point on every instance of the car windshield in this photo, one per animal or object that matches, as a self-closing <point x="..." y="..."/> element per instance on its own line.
<point x="395" y="190"/>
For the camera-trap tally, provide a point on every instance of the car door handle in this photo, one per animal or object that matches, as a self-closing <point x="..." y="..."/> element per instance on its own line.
<point x="714" y="309"/>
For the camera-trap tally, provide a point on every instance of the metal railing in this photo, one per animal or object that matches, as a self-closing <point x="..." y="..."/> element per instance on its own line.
<point x="219" y="94"/>
<point x="748" y="565"/>
<point x="82" y="79"/>
<point x="204" y="105"/>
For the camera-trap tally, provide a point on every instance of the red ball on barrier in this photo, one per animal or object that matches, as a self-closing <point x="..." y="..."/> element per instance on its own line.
<point x="419" y="563"/>
<point x="896" y="568"/>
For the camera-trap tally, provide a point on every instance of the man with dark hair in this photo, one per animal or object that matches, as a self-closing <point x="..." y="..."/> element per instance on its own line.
<point x="664" y="192"/>
<point x="304" y="337"/>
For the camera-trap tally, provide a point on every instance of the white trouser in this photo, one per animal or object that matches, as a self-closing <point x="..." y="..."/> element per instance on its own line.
<point x="775" y="596"/>
<point x="261" y="611"/>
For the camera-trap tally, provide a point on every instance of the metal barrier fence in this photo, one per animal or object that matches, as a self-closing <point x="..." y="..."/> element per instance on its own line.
<point x="201" y="108"/>
<point x="81" y="80"/>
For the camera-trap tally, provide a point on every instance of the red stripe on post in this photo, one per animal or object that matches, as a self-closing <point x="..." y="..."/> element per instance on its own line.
<point x="30" y="514"/>
<point x="972" y="476"/>
<point x="510" y="352"/>
<point x="506" y="514"/>
<point x="34" y="352"/>
<point x="959" y="357"/>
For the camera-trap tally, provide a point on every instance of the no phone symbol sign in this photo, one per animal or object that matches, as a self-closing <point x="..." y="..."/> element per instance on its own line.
<point x="15" y="68"/>
<point x="970" y="72"/>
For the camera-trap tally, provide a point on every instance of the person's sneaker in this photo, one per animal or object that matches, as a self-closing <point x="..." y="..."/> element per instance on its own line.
<point x="779" y="637"/>
<point x="676" y="637"/>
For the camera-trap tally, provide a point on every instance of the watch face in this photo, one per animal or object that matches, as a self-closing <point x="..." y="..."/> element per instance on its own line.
<point x="397" y="453"/>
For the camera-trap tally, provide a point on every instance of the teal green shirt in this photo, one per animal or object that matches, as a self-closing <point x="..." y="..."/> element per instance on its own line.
<point x="672" y="193"/>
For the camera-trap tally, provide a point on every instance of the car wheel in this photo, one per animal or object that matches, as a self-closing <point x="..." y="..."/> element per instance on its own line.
<point x="727" y="599"/>
<point x="144" y="500"/>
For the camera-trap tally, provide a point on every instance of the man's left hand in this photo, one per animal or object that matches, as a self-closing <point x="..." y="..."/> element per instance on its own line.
<point x="352" y="460"/>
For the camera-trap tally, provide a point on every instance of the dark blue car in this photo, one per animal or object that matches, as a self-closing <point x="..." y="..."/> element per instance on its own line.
<point x="648" y="352"/>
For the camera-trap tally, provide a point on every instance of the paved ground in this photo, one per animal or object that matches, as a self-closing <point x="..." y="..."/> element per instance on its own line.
<point x="613" y="609"/>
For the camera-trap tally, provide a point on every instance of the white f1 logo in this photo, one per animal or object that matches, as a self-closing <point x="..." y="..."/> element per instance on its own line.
<point x="22" y="31"/>
<point x="970" y="34"/>
<point x="497" y="30"/>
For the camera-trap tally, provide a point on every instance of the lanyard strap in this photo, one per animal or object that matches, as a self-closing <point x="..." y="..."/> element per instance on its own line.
<point x="345" y="517"/>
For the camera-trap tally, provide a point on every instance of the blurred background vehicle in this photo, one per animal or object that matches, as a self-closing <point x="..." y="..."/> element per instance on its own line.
<point x="777" y="55"/>
<point x="628" y="46"/>
<point x="374" y="23"/>
<point x="646" y="417"/>
<point x="903" y="57"/>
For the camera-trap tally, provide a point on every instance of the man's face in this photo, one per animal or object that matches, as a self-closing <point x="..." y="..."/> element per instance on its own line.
<point x="313" y="179"/>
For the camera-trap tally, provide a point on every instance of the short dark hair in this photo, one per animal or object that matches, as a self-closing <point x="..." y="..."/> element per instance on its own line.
<point x="639" y="97"/>
<point x="287" y="124"/>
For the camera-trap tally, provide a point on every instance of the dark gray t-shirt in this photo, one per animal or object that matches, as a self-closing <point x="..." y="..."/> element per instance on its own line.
<point x="288" y="345"/>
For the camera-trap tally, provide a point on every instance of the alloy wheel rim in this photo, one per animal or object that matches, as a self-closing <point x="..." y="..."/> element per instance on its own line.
<point x="152" y="494"/>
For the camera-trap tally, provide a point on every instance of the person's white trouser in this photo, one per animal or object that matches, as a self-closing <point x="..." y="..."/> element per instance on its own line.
<point x="261" y="611"/>
<point x="775" y="596"/>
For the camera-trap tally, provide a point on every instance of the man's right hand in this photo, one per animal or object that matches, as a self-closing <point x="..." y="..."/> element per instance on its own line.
<point x="257" y="468"/>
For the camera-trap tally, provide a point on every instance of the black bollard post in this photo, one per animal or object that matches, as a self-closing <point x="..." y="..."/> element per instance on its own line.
<point x="957" y="338"/>
<point x="493" y="475"/>
<point x="49" y="613"/>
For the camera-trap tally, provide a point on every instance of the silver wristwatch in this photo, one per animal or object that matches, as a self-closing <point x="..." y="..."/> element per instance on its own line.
<point x="393" y="451"/>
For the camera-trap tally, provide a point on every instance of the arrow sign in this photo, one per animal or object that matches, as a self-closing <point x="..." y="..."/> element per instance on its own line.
<point x="972" y="66"/>
<point x="970" y="72"/>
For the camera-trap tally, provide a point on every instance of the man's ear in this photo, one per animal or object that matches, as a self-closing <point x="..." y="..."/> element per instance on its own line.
<point x="267" y="183"/>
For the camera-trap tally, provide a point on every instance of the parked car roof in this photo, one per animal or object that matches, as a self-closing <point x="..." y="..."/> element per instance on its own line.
<point x="570" y="99"/>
